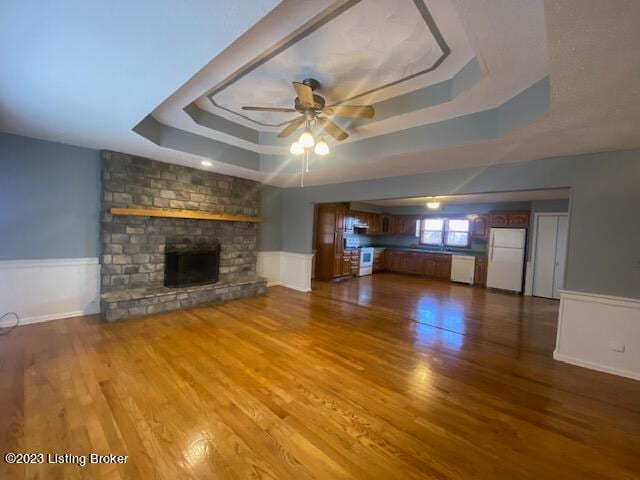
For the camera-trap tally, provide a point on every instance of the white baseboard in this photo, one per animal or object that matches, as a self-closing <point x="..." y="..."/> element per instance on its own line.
<point x="291" y="270"/>
<point x="592" y="327"/>
<point x="43" y="290"/>
<point x="596" y="366"/>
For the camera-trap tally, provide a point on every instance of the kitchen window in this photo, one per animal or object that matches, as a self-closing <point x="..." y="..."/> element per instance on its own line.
<point x="449" y="232"/>
<point x="432" y="231"/>
<point x="457" y="234"/>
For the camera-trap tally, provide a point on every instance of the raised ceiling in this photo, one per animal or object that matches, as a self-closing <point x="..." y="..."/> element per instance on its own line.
<point x="522" y="80"/>
<point x="355" y="51"/>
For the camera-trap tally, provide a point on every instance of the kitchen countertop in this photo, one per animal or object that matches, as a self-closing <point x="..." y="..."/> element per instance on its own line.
<point x="471" y="253"/>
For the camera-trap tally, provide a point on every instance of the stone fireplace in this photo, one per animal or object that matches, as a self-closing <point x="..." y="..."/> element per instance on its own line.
<point x="152" y="264"/>
<point x="187" y="264"/>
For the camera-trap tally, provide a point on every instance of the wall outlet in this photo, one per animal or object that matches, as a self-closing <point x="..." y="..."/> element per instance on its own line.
<point x="616" y="347"/>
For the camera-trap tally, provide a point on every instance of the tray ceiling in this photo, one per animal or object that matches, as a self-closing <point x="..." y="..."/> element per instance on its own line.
<point x="362" y="49"/>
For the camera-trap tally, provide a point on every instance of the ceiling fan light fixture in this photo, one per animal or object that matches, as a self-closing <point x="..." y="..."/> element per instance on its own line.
<point x="306" y="139"/>
<point x="296" y="148"/>
<point x="321" y="148"/>
<point x="433" y="205"/>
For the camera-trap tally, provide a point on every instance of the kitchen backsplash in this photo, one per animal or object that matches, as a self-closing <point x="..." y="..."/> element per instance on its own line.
<point x="407" y="241"/>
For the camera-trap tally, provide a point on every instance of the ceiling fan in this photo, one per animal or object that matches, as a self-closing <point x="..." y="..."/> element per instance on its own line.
<point x="311" y="106"/>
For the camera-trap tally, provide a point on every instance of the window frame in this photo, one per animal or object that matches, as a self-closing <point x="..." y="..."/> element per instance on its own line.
<point x="445" y="230"/>
<point x="422" y="230"/>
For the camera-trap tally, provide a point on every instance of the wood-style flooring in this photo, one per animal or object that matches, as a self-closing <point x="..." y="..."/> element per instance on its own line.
<point x="380" y="377"/>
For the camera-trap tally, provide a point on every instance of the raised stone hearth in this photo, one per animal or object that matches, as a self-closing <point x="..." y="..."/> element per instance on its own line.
<point x="142" y="301"/>
<point x="133" y="246"/>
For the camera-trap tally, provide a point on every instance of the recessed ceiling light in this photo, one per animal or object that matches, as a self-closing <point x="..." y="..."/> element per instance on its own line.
<point x="206" y="163"/>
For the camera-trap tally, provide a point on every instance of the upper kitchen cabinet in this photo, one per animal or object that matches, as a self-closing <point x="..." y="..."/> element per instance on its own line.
<point x="406" y="225"/>
<point x="340" y="216"/>
<point x="480" y="227"/>
<point x="519" y="219"/>
<point x="499" y="219"/>
<point x="374" y="224"/>
<point x="509" y="219"/>
<point x="386" y="223"/>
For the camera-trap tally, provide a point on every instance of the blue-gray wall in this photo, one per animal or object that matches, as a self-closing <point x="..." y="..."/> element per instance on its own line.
<point x="604" y="233"/>
<point x="49" y="197"/>
<point x="270" y="236"/>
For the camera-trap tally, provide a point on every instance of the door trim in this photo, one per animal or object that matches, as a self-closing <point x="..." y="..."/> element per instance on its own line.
<point x="534" y="241"/>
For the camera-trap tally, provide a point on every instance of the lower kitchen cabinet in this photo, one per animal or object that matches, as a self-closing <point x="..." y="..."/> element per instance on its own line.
<point x="480" y="273"/>
<point x="436" y="265"/>
<point x="414" y="263"/>
<point x="396" y="261"/>
<point x="378" y="261"/>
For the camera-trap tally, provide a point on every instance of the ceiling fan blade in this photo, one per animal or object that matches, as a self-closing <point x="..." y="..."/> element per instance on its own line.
<point x="305" y="94"/>
<point x="269" y="109"/>
<point x="332" y="129"/>
<point x="291" y="127"/>
<point x="361" y="111"/>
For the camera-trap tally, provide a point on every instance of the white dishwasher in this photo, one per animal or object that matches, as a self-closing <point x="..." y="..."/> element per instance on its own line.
<point x="463" y="268"/>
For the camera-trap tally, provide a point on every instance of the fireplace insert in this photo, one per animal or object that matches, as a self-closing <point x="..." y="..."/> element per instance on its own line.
<point x="191" y="264"/>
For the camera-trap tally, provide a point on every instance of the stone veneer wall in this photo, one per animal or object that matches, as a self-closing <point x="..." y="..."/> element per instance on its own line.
<point x="132" y="248"/>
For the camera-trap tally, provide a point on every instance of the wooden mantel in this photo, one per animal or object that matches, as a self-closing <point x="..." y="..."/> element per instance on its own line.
<point x="144" y="212"/>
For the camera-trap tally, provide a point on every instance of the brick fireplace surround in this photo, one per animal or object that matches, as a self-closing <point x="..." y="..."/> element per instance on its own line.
<point x="132" y="247"/>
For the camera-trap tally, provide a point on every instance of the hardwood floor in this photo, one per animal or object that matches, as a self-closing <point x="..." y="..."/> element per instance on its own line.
<point x="379" y="377"/>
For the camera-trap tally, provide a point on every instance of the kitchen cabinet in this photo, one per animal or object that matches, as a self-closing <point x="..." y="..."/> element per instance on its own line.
<point x="500" y="219"/>
<point x="518" y="219"/>
<point x="509" y="219"/>
<point x="386" y="223"/>
<point x="378" y="261"/>
<point x="355" y="217"/>
<point x="429" y="266"/>
<point x="355" y="262"/>
<point x="396" y="261"/>
<point x="417" y="263"/>
<point x="414" y="263"/>
<point x="480" y="227"/>
<point x="406" y="224"/>
<point x="443" y="267"/>
<point x="374" y="224"/>
<point x="332" y="261"/>
<point x="480" y="274"/>
<point x="341" y="213"/>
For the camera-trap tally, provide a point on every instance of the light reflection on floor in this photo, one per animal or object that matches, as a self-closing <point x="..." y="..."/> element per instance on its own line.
<point x="439" y="322"/>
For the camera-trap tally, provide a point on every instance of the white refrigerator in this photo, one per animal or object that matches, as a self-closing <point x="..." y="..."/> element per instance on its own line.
<point x="506" y="258"/>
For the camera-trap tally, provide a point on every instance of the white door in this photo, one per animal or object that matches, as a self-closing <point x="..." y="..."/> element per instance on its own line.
<point x="561" y="254"/>
<point x="550" y="253"/>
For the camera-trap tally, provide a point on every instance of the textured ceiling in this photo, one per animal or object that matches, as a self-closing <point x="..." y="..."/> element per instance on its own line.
<point x="92" y="74"/>
<point x="370" y="45"/>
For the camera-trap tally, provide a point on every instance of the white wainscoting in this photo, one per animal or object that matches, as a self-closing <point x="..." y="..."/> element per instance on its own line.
<point x="41" y="290"/>
<point x="593" y="328"/>
<point x="291" y="270"/>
